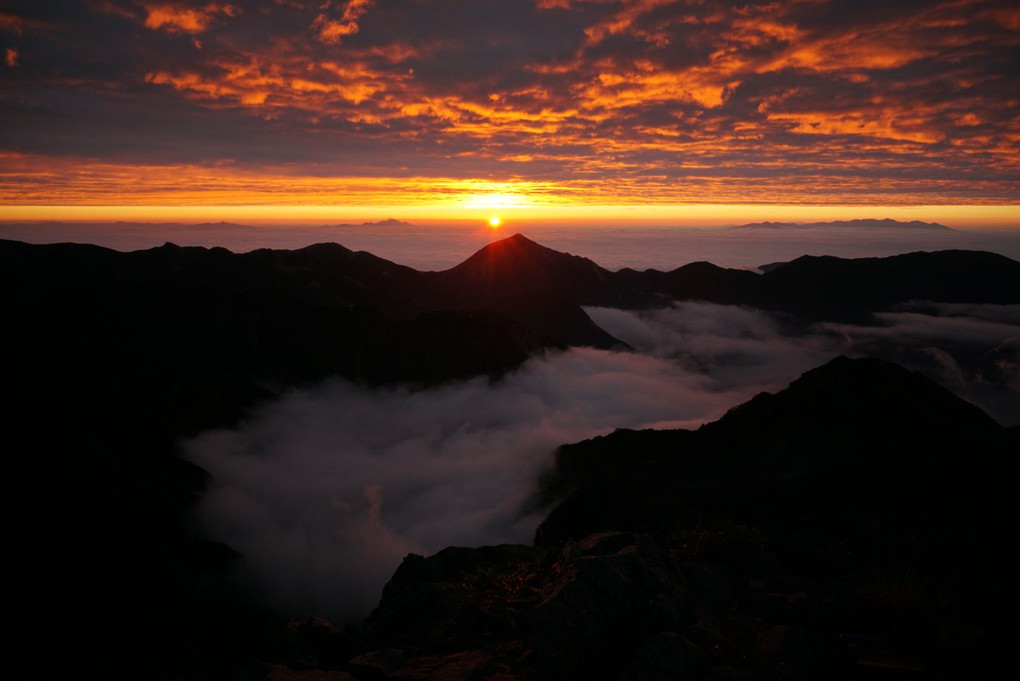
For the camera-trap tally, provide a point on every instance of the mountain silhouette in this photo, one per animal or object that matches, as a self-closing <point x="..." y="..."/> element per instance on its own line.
<point x="826" y="287"/>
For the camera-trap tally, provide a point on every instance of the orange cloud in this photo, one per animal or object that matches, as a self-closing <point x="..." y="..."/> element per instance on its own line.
<point x="11" y="57"/>
<point x="185" y="20"/>
<point x="1008" y="17"/>
<point x="278" y="81"/>
<point x="849" y="51"/>
<point x="644" y="82"/>
<point x="34" y="181"/>
<point x="330" y="31"/>
<point x="10" y="23"/>
<point x="892" y="125"/>
<point x="624" y="20"/>
<point x="568" y="4"/>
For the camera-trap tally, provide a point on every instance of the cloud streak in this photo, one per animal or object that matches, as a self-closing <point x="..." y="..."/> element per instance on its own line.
<point x="177" y="19"/>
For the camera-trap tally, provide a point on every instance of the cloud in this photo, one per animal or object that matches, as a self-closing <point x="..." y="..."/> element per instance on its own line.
<point x="942" y="322"/>
<point x="11" y="23"/>
<point x="730" y="346"/>
<point x="330" y="31"/>
<point x="325" y="490"/>
<point x="11" y="57"/>
<point x="174" y="18"/>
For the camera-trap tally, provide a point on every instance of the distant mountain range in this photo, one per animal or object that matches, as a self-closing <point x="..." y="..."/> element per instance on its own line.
<point x="887" y="224"/>
<point x="114" y="357"/>
<point x="388" y="222"/>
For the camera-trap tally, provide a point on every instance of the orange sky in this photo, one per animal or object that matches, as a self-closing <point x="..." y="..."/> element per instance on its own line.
<point x="542" y="109"/>
<point x="521" y="217"/>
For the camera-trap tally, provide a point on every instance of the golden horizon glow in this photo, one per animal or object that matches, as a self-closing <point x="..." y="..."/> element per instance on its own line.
<point x="997" y="217"/>
<point x="34" y="188"/>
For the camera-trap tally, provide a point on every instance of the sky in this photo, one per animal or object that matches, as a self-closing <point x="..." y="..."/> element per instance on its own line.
<point x="435" y="109"/>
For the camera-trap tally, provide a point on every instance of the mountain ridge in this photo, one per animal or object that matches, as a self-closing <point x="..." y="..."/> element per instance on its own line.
<point x="862" y="224"/>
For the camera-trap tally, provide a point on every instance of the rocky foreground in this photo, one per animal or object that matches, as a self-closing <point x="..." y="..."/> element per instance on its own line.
<point x="857" y="525"/>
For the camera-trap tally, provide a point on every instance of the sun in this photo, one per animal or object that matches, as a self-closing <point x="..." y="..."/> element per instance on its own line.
<point x="495" y="222"/>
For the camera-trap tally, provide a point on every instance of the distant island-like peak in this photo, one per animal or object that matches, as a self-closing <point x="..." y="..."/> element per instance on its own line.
<point x="388" y="222"/>
<point x="887" y="223"/>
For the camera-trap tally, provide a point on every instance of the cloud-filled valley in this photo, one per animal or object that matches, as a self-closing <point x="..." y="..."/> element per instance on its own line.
<point x="326" y="489"/>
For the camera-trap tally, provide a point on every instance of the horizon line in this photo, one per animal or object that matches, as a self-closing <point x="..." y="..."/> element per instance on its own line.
<point x="961" y="216"/>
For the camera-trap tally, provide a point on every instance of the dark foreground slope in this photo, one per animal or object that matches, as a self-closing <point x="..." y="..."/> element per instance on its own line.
<point x="856" y="525"/>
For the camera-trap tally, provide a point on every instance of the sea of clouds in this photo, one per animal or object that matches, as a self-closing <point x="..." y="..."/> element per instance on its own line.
<point x="325" y="490"/>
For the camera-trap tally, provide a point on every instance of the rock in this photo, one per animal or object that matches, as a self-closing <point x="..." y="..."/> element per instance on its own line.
<point x="464" y="666"/>
<point x="378" y="664"/>
<point x="458" y="599"/>
<point x="795" y="652"/>
<point x="279" y="673"/>
<point x="578" y="612"/>
<point x="665" y="657"/>
<point x="263" y="671"/>
<point x="612" y="595"/>
<point x="316" y="643"/>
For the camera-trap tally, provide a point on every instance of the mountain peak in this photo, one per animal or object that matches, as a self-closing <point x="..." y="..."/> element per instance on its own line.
<point x="388" y="222"/>
<point x="848" y="391"/>
<point x="537" y="285"/>
<point x="517" y="241"/>
<point x="519" y="255"/>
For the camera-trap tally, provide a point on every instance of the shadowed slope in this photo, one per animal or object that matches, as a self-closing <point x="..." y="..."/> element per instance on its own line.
<point x="841" y="429"/>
